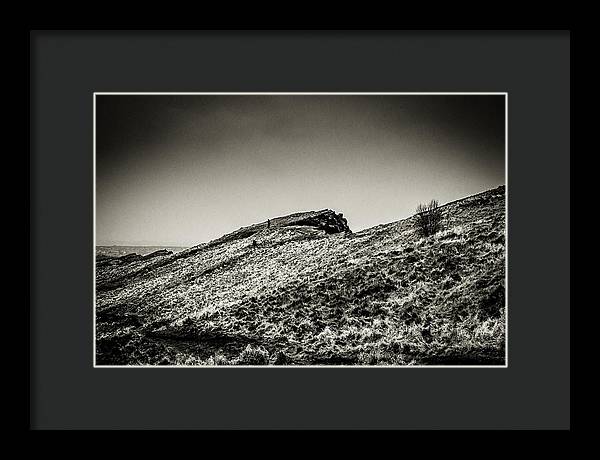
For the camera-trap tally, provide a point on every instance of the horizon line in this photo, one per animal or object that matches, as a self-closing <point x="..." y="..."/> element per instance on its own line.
<point x="179" y="245"/>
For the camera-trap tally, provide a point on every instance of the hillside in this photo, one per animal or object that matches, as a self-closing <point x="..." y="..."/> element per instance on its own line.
<point x="306" y="290"/>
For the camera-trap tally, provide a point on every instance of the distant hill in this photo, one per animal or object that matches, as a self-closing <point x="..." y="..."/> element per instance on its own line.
<point x="121" y="250"/>
<point x="303" y="289"/>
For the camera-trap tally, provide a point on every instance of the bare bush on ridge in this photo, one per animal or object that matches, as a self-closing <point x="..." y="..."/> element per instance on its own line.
<point x="429" y="218"/>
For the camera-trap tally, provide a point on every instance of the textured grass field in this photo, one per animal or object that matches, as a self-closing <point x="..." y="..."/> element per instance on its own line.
<point x="303" y="296"/>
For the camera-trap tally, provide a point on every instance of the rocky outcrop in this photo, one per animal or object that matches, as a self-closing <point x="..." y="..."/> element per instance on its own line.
<point x="327" y="220"/>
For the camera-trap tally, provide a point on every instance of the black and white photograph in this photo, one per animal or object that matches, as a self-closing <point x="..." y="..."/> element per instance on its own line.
<point x="300" y="230"/>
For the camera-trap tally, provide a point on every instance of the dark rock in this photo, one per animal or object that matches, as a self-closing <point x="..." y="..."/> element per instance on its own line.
<point x="326" y="220"/>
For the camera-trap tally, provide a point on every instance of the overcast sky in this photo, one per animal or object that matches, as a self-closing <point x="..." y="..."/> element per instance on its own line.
<point x="185" y="169"/>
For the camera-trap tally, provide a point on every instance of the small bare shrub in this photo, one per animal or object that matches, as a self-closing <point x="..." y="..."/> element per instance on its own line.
<point x="429" y="218"/>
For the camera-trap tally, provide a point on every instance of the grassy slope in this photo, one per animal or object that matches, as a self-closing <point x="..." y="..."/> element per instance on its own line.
<point x="380" y="296"/>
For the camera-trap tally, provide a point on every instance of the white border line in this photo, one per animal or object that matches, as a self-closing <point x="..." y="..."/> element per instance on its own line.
<point x="94" y="232"/>
<point x="124" y="93"/>
<point x="506" y="229"/>
<point x="421" y="366"/>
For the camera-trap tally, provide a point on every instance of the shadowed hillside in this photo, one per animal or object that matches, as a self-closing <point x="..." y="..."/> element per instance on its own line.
<point x="303" y="289"/>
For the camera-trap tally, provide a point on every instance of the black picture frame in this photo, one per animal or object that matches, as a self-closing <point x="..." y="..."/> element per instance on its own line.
<point x="67" y="67"/>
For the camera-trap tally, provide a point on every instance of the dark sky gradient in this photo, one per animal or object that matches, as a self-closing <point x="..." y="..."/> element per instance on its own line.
<point x="185" y="169"/>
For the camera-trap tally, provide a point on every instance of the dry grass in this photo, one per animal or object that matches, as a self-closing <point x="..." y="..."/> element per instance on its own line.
<point x="383" y="296"/>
